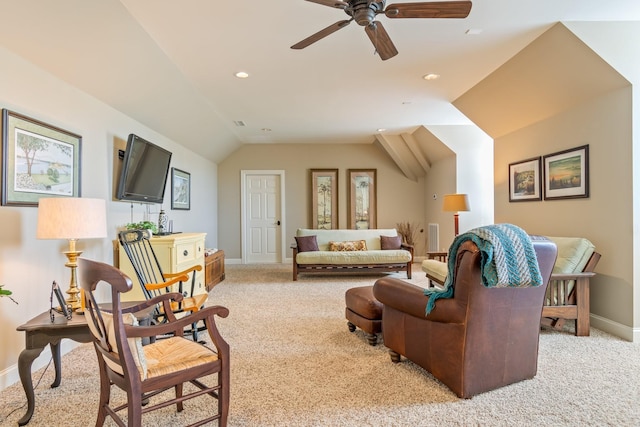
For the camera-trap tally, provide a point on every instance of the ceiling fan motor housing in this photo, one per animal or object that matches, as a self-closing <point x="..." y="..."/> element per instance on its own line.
<point x="363" y="11"/>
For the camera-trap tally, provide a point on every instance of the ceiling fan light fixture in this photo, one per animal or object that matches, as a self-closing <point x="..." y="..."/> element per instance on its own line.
<point x="431" y="76"/>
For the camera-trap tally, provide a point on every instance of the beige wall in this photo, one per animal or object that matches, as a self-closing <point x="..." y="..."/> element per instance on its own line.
<point x="28" y="265"/>
<point x="399" y="199"/>
<point x="579" y="99"/>
<point x="605" y="217"/>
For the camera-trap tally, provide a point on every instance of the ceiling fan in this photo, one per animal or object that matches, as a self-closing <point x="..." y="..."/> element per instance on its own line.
<point x="365" y="11"/>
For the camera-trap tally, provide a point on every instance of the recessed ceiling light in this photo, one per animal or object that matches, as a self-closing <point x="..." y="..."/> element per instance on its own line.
<point x="266" y="130"/>
<point x="431" y="76"/>
<point x="242" y="74"/>
<point x="473" y="31"/>
<point x="381" y="129"/>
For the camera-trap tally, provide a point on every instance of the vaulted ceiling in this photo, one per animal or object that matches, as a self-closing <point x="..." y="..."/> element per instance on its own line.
<point x="170" y="65"/>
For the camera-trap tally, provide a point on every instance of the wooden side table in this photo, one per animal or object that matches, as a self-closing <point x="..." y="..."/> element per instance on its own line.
<point x="40" y="332"/>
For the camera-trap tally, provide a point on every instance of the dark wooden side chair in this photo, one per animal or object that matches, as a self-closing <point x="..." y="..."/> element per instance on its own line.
<point x="143" y="372"/>
<point x="155" y="282"/>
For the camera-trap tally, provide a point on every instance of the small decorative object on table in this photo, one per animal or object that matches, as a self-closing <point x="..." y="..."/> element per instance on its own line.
<point x="64" y="308"/>
<point x="162" y="222"/>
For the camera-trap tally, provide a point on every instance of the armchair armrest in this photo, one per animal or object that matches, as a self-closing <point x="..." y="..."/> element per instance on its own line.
<point x="401" y="295"/>
<point x="410" y="299"/>
<point x="407" y="247"/>
<point x="196" y="267"/>
<point x="572" y="276"/>
<point x="173" y="281"/>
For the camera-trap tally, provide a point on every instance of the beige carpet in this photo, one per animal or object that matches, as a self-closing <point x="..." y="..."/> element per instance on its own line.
<point x="294" y="363"/>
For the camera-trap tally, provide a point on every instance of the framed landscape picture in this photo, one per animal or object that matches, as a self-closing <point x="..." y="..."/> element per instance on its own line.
<point x="525" y="180"/>
<point x="180" y="189"/>
<point x="38" y="160"/>
<point x="566" y="174"/>
<point x="324" y="199"/>
<point x="362" y="199"/>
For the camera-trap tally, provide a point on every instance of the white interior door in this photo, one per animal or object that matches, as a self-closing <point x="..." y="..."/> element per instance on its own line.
<point x="262" y="214"/>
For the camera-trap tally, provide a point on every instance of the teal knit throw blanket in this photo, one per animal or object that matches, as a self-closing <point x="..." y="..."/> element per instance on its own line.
<point x="507" y="260"/>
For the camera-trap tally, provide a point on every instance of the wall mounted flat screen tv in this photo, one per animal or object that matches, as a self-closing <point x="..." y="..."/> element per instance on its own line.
<point x="144" y="173"/>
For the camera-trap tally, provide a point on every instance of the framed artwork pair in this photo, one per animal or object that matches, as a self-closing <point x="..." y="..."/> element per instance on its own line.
<point x="361" y="199"/>
<point x="561" y="175"/>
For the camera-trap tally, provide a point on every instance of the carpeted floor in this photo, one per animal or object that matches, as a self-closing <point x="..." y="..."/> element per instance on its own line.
<point x="294" y="363"/>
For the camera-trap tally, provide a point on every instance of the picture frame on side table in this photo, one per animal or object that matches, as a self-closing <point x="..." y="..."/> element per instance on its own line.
<point x="525" y="180"/>
<point x="180" y="189"/>
<point x="324" y="199"/>
<point x="362" y="199"/>
<point x="38" y="160"/>
<point x="566" y="174"/>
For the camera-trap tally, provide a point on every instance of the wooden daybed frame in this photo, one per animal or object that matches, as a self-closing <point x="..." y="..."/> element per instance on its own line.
<point x="576" y="304"/>
<point x="352" y="268"/>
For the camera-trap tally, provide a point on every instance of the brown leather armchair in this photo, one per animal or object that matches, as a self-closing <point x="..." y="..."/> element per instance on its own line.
<point x="479" y="340"/>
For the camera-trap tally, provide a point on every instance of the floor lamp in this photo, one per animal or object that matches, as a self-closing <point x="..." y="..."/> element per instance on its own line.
<point x="72" y="218"/>
<point x="455" y="203"/>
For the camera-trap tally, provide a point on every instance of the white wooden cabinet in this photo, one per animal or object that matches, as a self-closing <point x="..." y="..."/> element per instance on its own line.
<point x="175" y="252"/>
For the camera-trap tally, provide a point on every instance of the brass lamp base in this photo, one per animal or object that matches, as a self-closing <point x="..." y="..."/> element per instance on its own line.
<point x="73" y="300"/>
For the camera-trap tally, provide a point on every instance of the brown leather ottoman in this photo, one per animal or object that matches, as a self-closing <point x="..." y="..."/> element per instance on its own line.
<point x="364" y="311"/>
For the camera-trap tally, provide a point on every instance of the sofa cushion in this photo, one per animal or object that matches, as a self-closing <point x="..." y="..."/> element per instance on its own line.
<point x="390" y="242"/>
<point x="573" y="254"/>
<point x="399" y="256"/>
<point x="307" y="243"/>
<point x="349" y="245"/>
<point x="436" y="269"/>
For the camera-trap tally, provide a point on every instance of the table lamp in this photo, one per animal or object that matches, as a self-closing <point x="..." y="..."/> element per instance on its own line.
<point x="455" y="203"/>
<point x="72" y="218"/>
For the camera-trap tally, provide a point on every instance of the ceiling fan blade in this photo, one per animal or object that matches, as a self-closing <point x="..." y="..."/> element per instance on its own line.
<point x="381" y="40"/>
<point x="331" y="3"/>
<point x="321" y="34"/>
<point x="439" y="9"/>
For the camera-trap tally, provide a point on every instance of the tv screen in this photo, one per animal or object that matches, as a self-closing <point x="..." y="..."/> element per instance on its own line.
<point x="145" y="168"/>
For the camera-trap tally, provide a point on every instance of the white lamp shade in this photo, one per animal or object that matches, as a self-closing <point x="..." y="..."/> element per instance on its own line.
<point x="455" y="203"/>
<point x="71" y="218"/>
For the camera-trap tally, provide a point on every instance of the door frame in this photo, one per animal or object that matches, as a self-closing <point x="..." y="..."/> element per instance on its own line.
<point x="243" y="214"/>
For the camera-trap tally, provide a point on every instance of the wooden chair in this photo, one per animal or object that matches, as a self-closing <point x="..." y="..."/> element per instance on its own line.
<point x="154" y="282"/>
<point x="568" y="298"/>
<point x="146" y="371"/>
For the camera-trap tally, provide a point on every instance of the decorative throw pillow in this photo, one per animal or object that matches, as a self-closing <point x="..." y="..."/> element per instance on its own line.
<point x="355" y="245"/>
<point x="307" y="243"/>
<point x="390" y="242"/>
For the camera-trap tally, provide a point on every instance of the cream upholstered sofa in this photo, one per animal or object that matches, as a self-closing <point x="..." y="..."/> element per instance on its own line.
<point x="350" y="251"/>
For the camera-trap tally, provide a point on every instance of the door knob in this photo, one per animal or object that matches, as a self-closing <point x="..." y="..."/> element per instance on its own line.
<point x="278" y="223"/>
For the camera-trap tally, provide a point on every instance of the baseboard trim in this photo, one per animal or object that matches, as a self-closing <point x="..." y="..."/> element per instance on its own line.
<point x="10" y="375"/>
<point x="614" y="328"/>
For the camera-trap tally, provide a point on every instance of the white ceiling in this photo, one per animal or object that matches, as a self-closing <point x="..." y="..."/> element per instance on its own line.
<point x="170" y="64"/>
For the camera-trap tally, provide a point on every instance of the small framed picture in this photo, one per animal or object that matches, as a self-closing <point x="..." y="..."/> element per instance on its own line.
<point x="525" y="180"/>
<point x="180" y="189"/>
<point x="566" y="174"/>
